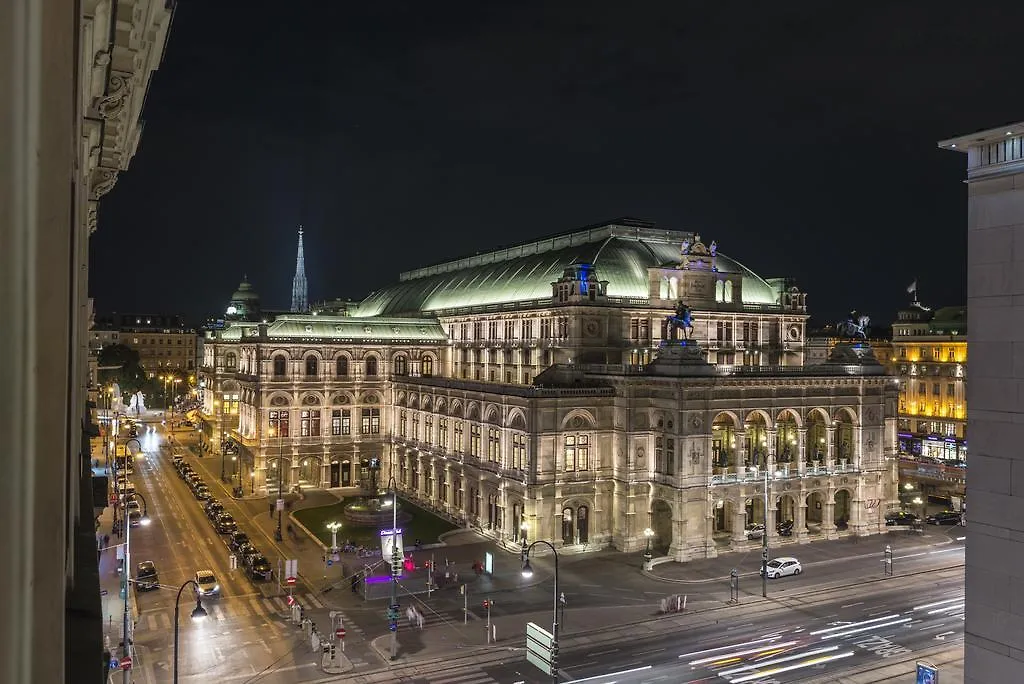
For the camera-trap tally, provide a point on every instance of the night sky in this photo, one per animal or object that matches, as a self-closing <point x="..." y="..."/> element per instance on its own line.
<point x="798" y="135"/>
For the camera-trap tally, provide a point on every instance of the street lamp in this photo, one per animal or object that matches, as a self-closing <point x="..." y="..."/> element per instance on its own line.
<point x="252" y="481"/>
<point x="334" y="527"/>
<point x="395" y="566"/>
<point x="648" y="532"/>
<point x="198" y="614"/>
<point x="528" y="572"/>
<point x="524" y="527"/>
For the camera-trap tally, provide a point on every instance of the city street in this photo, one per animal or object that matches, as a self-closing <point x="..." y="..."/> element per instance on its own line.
<point x="611" y="607"/>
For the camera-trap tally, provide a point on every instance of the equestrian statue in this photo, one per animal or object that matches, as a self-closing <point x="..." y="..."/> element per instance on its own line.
<point x="680" y="320"/>
<point x="855" y="327"/>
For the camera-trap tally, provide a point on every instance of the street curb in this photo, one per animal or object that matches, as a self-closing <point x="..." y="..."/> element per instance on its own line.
<point x="725" y="578"/>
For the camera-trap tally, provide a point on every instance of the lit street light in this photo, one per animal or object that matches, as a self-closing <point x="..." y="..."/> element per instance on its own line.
<point x="648" y="532"/>
<point x="198" y="614"/>
<point x="527" y="573"/>
<point x="396" y="566"/>
<point x="334" y="527"/>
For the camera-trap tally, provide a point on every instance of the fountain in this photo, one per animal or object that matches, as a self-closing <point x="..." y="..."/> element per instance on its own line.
<point x="372" y="513"/>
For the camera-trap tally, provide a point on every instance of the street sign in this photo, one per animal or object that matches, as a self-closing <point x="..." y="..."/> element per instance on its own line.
<point x="340" y="632"/>
<point x="290" y="581"/>
<point x="291" y="570"/>
<point x="291" y="600"/>
<point x="329" y="562"/>
<point x="539" y="644"/>
<point x="126" y="663"/>
<point x="280" y="504"/>
<point x="927" y="674"/>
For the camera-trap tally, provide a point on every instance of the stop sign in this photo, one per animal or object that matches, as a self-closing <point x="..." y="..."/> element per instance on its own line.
<point x="340" y="632"/>
<point x="290" y="581"/>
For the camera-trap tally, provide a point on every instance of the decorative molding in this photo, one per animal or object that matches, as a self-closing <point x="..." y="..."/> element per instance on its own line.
<point x="92" y="217"/>
<point x="101" y="182"/>
<point x="119" y="87"/>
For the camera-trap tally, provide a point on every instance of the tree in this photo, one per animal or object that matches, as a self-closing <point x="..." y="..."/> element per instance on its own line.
<point x="119" y="363"/>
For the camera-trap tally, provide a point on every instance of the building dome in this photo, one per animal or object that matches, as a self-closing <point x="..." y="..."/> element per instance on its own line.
<point x="244" y="304"/>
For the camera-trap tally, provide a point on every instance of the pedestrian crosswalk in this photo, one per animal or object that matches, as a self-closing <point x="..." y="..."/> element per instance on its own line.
<point x="226" y="609"/>
<point x="466" y="675"/>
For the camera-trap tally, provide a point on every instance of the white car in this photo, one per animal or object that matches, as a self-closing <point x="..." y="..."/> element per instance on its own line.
<point x="206" y="583"/>
<point x="786" y="565"/>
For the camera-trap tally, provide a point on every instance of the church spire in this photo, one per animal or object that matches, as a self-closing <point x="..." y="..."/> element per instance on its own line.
<point x="299" y="302"/>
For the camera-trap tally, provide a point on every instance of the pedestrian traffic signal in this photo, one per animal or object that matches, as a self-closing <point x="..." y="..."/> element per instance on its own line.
<point x="487" y="604"/>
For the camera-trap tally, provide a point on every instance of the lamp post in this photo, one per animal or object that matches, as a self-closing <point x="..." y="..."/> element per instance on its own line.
<point x="198" y="613"/>
<point x="334" y="527"/>
<point x="764" y="540"/>
<point x="395" y="567"/>
<point x="648" y="532"/>
<point x="252" y="481"/>
<point x="528" y="572"/>
<point x="280" y="482"/>
<point x="144" y="520"/>
<point x="524" y="527"/>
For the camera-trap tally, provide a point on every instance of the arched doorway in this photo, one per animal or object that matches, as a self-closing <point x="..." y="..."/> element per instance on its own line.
<point x="841" y="512"/>
<point x="786" y="447"/>
<point x="568" y="526"/>
<point x="844" y="448"/>
<point x="757" y="440"/>
<point x="335" y="473"/>
<point x="583" y="524"/>
<point x="279" y="472"/>
<point x="723" y="442"/>
<point x="309" y="472"/>
<point x="661" y="524"/>
<point x="816" y="435"/>
<point x="785" y="512"/>
<point x="815" y="510"/>
<point x="724" y="513"/>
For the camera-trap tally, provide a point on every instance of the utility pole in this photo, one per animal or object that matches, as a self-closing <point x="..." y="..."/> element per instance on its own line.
<point x="764" y="541"/>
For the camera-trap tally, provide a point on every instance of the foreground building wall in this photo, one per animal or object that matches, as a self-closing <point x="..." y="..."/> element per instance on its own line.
<point x="69" y="124"/>
<point x="995" y="235"/>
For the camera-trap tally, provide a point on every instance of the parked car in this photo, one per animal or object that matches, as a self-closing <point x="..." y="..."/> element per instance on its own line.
<point x="785" y="565"/>
<point x="755" y="531"/>
<point x="177" y="461"/>
<point x="785" y="528"/>
<point x="213" y="508"/>
<point x="206" y="583"/>
<point x="944" y="518"/>
<point x="259" y="567"/>
<point x="146" y="576"/>
<point x="202" y="492"/>
<point x="237" y="540"/>
<point x="225" y="524"/>
<point x="247" y="556"/>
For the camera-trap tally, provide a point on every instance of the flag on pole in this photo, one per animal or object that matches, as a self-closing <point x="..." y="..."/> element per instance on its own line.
<point x="912" y="287"/>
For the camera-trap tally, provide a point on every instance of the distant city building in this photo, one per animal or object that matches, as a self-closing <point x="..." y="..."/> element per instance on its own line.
<point x="526" y="391"/>
<point x="930" y="359"/>
<point x="995" y="214"/>
<point x="300" y="298"/>
<point x="163" y="342"/>
<point x="244" y="304"/>
<point x="821" y="342"/>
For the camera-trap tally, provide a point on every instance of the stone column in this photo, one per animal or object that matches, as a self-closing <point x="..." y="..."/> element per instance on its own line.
<point x="770" y="463"/>
<point x="856" y="458"/>
<point x="771" y="521"/>
<point x="741" y="449"/>
<point x="739" y="523"/>
<point x="830" y="447"/>
<point x="828" y="514"/>
<point x="801" y="450"/>
<point x="800" y="524"/>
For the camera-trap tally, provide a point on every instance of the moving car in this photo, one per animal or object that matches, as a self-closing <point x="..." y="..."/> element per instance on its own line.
<point x="755" y="531"/>
<point x="782" y="566"/>
<point x="900" y="518"/>
<point x="943" y="518"/>
<point x="146" y="577"/>
<point x="206" y="583"/>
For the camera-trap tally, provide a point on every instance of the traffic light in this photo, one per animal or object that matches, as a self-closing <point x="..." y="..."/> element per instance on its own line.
<point x="487" y="604"/>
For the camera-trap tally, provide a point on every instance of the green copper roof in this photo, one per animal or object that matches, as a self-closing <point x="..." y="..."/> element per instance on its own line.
<point x="621" y="252"/>
<point x="346" y="328"/>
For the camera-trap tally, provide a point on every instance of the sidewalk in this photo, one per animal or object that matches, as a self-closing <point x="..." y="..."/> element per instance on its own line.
<point x="748" y="561"/>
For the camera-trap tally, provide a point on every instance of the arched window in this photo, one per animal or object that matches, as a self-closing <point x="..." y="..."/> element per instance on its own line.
<point x="371" y="365"/>
<point x="230" y="360"/>
<point x="341" y="366"/>
<point x="280" y="365"/>
<point x="401" y="366"/>
<point x="311" y="365"/>
<point x="427" y="366"/>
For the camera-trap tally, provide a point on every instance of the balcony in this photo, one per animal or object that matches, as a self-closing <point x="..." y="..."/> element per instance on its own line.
<point x="753" y="474"/>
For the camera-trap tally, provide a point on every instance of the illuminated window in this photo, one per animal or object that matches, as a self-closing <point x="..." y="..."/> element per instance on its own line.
<point x="231" y="404"/>
<point x="415" y="425"/>
<point x="279" y="423"/>
<point x="341" y="422"/>
<point x="428" y="429"/>
<point x="457" y="445"/>
<point x="577" y="452"/>
<point x="493" y="445"/>
<point x="442" y="433"/>
<point x="474" y="440"/>
<point x="519" y="458"/>
<point x="401" y="365"/>
<point x="403" y="423"/>
<point x="370" y="421"/>
<point x="309" y="425"/>
<point x="427" y="366"/>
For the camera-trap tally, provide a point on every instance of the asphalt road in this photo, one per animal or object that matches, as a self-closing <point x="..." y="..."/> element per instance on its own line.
<point x="801" y="639"/>
<point x="245" y="633"/>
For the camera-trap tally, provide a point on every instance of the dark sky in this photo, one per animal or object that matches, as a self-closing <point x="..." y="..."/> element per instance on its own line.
<point x="799" y="135"/>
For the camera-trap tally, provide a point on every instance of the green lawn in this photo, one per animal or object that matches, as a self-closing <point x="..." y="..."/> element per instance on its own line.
<point x="424" y="525"/>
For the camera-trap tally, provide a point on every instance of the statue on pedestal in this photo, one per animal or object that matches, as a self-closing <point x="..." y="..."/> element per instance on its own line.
<point x="855" y="327"/>
<point x="680" y="321"/>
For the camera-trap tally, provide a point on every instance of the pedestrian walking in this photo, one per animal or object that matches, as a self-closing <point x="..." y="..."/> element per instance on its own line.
<point x="419" y="618"/>
<point x="410" y="614"/>
<point x="106" y="540"/>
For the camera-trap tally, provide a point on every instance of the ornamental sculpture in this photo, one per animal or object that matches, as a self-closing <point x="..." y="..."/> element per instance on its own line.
<point x="855" y="327"/>
<point x="680" y="320"/>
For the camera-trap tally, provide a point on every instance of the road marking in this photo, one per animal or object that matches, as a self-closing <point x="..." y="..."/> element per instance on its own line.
<point x="600" y="653"/>
<point x="851" y="605"/>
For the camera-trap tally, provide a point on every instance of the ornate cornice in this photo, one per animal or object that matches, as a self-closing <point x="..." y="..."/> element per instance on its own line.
<point x="101" y="181"/>
<point x="119" y="88"/>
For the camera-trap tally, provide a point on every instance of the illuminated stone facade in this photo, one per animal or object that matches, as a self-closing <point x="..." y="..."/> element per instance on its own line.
<point x="930" y="359"/>
<point x="561" y="416"/>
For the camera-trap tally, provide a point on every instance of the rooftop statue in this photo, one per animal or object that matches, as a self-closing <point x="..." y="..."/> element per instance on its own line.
<point x="855" y="327"/>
